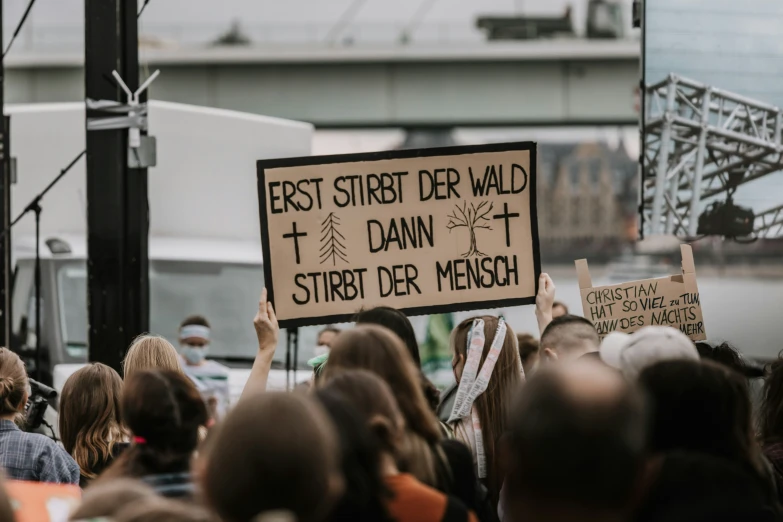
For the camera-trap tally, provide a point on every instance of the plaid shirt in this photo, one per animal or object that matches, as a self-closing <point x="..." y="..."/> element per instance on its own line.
<point x="31" y="456"/>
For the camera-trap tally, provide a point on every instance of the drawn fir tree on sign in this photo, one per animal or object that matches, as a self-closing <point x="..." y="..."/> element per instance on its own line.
<point x="331" y="247"/>
<point x="473" y="218"/>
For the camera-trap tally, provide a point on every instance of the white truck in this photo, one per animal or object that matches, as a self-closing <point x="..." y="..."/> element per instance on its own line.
<point x="204" y="248"/>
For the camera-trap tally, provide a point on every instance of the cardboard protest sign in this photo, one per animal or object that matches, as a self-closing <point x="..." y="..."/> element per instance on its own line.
<point x="424" y="231"/>
<point x="626" y="307"/>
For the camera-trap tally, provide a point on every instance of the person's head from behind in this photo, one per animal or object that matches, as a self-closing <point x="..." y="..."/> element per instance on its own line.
<point x="150" y="352"/>
<point x="699" y="406"/>
<point x="360" y="450"/>
<point x="273" y="451"/>
<point x="378" y="350"/>
<point x="395" y="321"/>
<point x="164" y="411"/>
<point x="576" y="445"/>
<point x="632" y="353"/>
<point x="399" y="324"/>
<point x="493" y="404"/>
<point x="90" y="422"/>
<point x="14" y="385"/>
<point x="326" y="336"/>
<point x="106" y="499"/>
<point x="194" y="336"/>
<point x="373" y="399"/>
<point x="559" y="309"/>
<point x="567" y="338"/>
<point x="727" y="355"/>
<point x="528" y="352"/>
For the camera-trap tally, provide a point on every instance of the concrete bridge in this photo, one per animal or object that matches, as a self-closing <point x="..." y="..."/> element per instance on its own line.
<point x="534" y="83"/>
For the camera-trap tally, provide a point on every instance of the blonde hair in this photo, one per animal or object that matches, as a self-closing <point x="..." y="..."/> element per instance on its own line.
<point x="13" y="382"/>
<point x="90" y="422"/>
<point x="151" y="352"/>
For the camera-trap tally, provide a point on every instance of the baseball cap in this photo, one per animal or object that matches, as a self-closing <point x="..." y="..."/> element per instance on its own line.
<point x="631" y="353"/>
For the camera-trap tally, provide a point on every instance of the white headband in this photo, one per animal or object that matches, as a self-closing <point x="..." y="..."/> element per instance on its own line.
<point x="194" y="330"/>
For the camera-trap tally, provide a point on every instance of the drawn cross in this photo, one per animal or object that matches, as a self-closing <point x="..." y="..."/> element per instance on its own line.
<point x="506" y="216"/>
<point x="295" y="235"/>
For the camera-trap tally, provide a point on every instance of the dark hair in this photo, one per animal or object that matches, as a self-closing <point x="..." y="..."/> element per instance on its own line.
<point x="195" y="320"/>
<point x="13" y="382"/>
<point x="729" y="357"/>
<point x="164" y="411"/>
<point x="561" y="305"/>
<point x="569" y="331"/>
<point x="572" y="449"/>
<point x="395" y="321"/>
<point x="771" y="411"/>
<point x="273" y="451"/>
<point x="700" y="406"/>
<point x="528" y="345"/>
<point x="365" y="492"/>
<point x="399" y="324"/>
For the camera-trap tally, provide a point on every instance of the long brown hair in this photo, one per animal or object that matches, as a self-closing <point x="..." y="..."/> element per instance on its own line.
<point x="374" y="401"/>
<point x="90" y="422"/>
<point x="493" y="405"/>
<point x="379" y="351"/>
<point x="164" y="411"/>
<point x="13" y="382"/>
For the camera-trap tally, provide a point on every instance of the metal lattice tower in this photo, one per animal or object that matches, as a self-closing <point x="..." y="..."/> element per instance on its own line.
<point x="701" y="143"/>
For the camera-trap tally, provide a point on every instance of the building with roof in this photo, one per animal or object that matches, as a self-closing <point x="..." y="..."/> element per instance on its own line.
<point x="587" y="197"/>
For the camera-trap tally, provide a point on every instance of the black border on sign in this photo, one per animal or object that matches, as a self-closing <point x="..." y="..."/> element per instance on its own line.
<point x="262" y="165"/>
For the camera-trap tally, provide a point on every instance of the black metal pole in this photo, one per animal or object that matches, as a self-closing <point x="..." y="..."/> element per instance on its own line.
<point x="37" y="210"/>
<point x="5" y="207"/>
<point x="117" y="208"/>
<point x="288" y="334"/>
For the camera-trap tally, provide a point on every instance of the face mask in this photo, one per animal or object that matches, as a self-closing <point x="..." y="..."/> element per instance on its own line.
<point x="320" y="350"/>
<point x="194" y="354"/>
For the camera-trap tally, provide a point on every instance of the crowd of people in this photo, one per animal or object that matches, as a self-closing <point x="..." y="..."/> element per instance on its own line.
<point x="644" y="427"/>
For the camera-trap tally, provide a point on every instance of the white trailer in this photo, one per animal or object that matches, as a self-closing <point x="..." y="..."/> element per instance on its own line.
<point x="205" y="247"/>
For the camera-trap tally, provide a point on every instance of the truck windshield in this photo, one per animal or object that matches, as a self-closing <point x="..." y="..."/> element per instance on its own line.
<point x="226" y="294"/>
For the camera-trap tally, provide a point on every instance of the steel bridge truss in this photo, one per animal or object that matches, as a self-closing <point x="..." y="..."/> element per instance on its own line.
<point x="701" y="143"/>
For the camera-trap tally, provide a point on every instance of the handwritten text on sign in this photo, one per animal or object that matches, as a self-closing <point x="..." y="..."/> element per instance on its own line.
<point x="669" y="301"/>
<point x="418" y="232"/>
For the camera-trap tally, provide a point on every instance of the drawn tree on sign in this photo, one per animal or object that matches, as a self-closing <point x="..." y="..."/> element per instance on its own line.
<point x="473" y="218"/>
<point x="331" y="247"/>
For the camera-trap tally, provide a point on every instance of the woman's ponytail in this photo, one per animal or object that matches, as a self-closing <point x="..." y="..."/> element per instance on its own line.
<point x="13" y="382"/>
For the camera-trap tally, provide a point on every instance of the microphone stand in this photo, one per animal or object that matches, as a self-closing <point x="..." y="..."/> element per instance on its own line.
<point x="35" y="207"/>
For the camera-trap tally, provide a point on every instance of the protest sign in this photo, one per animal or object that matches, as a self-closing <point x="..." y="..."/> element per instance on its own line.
<point x="670" y="301"/>
<point x="41" y="501"/>
<point x="424" y="231"/>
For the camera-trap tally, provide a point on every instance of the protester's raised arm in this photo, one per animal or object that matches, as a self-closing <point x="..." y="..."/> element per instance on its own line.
<point x="545" y="300"/>
<point x="267" y="332"/>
